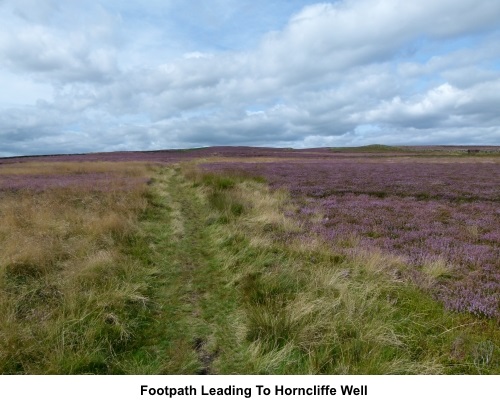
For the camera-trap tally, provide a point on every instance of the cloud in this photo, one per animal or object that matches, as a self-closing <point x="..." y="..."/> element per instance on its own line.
<point x="338" y="36"/>
<point x="443" y="106"/>
<point x="42" y="43"/>
<point x="132" y="76"/>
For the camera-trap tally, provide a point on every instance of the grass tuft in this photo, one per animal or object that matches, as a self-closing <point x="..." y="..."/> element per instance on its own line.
<point x="71" y="298"/>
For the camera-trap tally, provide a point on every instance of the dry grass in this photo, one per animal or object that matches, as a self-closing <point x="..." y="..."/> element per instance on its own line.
<point x="126" y="169"/>
<point x="307" y="309"/>
<point x="67" y="290"/>
<point x="312" y="308"/>
<point x="266" y="297"/>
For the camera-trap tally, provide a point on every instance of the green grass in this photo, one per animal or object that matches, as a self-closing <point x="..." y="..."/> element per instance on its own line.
<point x="210" y="277"/>
<point x="368" y="148"/>
<point x="306" y="309"/>
<point x="71" y="298"/>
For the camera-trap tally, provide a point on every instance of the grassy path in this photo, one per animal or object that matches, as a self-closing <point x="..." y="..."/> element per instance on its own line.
<point x="204" y="273"/>
<point x="236" y="294"/>
<point x="194" y="304"/>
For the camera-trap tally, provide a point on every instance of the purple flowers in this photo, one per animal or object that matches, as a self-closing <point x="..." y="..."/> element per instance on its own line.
<point x="95" y="181"/>
<point x="420" y="210"/>
<point x="419" y="207"/>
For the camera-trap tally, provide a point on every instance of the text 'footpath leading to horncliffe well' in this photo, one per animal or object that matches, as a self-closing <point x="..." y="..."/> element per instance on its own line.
<point x="259" y="390"/>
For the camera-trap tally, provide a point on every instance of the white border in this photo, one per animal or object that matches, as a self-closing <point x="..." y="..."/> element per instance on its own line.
<point x="123" y="390"/>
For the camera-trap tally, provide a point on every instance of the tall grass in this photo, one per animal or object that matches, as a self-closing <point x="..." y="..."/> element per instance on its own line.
<point x="206" y="273"/>
<point x="70" y="296"/>
<point x="311" y="308"/>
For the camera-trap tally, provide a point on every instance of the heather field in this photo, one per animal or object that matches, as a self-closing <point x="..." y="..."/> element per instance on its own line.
<point x="439" y="216"/>
<point x="226" y="260"/>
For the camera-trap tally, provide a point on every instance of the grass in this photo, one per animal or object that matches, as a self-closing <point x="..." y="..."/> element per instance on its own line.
<point x="307" y="309"/>
<point x="368" y="148"/>
<point x="70" y="297"/>
<point x="128" y="169"/>
<point x="201" y="273"/>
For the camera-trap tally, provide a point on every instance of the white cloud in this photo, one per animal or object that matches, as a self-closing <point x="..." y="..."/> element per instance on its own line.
<point x="331" y="74"/>
<point x="43" y="43"/>
<point x="443" y="106"/>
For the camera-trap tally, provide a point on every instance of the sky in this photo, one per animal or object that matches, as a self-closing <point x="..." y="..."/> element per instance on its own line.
<point x="82" y="76"/>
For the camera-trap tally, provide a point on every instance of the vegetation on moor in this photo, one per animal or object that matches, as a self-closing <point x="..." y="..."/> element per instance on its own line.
<point x="229" y="262"/>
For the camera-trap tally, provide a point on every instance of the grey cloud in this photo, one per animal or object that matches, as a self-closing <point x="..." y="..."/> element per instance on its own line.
<point x="69" y="61"/>
<point x="332" y="69"/>
<point x="24" y="121"/>
<point x="47" y="46"/>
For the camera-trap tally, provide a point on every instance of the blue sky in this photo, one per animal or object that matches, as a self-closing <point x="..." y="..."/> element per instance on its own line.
<point x="82" y="76"/>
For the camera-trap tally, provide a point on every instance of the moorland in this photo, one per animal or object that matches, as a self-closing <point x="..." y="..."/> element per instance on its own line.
<point x="242" y="260"/>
